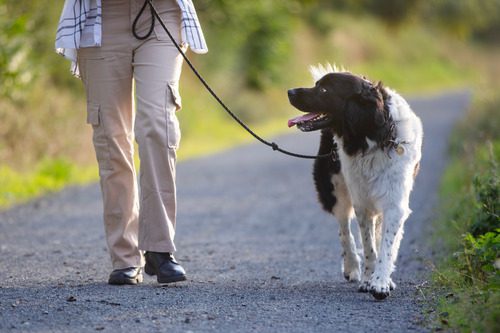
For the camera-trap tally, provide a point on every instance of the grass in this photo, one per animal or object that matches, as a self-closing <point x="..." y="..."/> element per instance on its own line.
<point x="467" y="277"/>
<point x="47" y="176"/>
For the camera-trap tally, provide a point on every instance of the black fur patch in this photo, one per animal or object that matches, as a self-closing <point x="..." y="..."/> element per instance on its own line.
<point x="324" y="169"/>
<point x="366" y="116"/>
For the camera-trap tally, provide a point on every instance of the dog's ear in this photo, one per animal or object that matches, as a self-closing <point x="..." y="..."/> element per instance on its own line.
<point x="363" y="116"/>
<point x="354" y="129"/>
<point x="371" y="96"/>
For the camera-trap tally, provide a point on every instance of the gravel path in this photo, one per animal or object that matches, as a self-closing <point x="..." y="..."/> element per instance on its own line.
<point x="260" y="253"/>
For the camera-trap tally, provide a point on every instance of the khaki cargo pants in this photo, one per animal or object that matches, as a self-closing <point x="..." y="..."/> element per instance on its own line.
<point x="135" y="222"/>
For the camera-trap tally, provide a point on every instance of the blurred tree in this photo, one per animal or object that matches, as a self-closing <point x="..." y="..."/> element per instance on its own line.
<point x="254" y="37"/>
<point x="259" y="32"/>
<point x="393" y="12"/>
<point x="267" y="45"/>
<point x="465" y="18"/>
<point x="27" y="31"/>
<point x="15" y="70"/>
<point x="462" y="18"/>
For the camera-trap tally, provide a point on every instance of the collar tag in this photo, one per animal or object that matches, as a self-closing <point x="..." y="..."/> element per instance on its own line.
<point x="400" y="150"/>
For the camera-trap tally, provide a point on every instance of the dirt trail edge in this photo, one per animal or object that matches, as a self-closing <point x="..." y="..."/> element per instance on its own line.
<point x="260" y="253"/>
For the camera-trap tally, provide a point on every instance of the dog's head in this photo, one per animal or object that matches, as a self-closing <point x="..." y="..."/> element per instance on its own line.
<point x="341" y="101"/>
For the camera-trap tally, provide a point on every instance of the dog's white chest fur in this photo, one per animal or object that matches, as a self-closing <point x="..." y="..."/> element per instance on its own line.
<point x="372" y="176"/>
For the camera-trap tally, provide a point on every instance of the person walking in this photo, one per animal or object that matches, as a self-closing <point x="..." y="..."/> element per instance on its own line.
<point x="113" y="44"/>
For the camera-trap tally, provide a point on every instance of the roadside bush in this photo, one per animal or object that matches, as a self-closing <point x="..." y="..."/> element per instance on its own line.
<point x="487" y="216"/>
<point x="469" y="274"/>
<point x="478" y="259"/>
<point x="481" y="243"/>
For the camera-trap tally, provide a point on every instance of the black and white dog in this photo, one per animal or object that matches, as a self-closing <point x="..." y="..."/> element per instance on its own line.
<point x="378" y="140"/>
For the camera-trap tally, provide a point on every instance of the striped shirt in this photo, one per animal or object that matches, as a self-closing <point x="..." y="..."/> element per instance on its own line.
<point x="81" y="21"/>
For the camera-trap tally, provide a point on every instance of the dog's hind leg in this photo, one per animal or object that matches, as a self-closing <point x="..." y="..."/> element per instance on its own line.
<point x="378" y="241"/>
<point x="392" y="233"/>
<point x="344" y="213"/>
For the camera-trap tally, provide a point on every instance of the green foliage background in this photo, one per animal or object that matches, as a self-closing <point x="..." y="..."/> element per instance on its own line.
<point x="258" y="49"/>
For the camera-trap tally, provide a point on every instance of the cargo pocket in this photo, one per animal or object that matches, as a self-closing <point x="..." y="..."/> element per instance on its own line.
<point x="93" y="114"/>
<point x="99" y="137"/>
<point x="173" y="104"/>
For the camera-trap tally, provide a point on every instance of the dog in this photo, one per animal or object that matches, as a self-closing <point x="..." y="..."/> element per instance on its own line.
<point x="375" y="140"/>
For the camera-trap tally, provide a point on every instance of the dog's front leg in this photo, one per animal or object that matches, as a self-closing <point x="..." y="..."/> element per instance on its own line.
<point x="366" y="223"/>
<point x="392" y="233"/>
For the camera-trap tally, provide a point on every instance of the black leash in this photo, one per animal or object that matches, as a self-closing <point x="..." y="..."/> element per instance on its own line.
<point x="273" y="145"/>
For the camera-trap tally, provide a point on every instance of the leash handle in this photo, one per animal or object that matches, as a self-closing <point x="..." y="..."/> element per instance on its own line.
<point x="273" y="145"/>
<point x="136" y="20"/>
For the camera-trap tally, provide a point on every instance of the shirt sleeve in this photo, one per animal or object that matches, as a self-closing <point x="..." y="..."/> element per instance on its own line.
<point x="191" y="32"/>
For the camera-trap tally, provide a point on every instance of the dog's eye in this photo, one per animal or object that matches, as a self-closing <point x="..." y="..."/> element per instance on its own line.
<point x="322" y="90"/>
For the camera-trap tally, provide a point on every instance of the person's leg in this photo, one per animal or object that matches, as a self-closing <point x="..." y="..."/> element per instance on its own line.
<point x="157" y="67"/>
<point x="107" y="74"/>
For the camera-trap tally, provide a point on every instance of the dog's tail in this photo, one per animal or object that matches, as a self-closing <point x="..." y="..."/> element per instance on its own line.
<point x="324" y="169"/>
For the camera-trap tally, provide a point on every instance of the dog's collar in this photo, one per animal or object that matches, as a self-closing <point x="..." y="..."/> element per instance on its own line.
<point x="392" y="142"/>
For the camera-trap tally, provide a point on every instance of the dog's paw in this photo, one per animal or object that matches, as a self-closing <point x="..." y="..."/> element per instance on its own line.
<point x="381" y="290"/>
<point x="380" y="294"/>
<point x="352" y="274"/>
<point x="364" y="287"/>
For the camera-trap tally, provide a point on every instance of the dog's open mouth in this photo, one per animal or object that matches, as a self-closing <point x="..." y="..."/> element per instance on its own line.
<point x="311" y="121"/>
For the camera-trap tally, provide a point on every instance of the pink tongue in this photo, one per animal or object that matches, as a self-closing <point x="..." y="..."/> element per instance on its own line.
<point x="308" y="116"/>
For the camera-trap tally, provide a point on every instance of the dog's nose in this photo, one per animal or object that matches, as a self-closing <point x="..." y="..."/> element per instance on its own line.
<point x="292" y="92"/>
